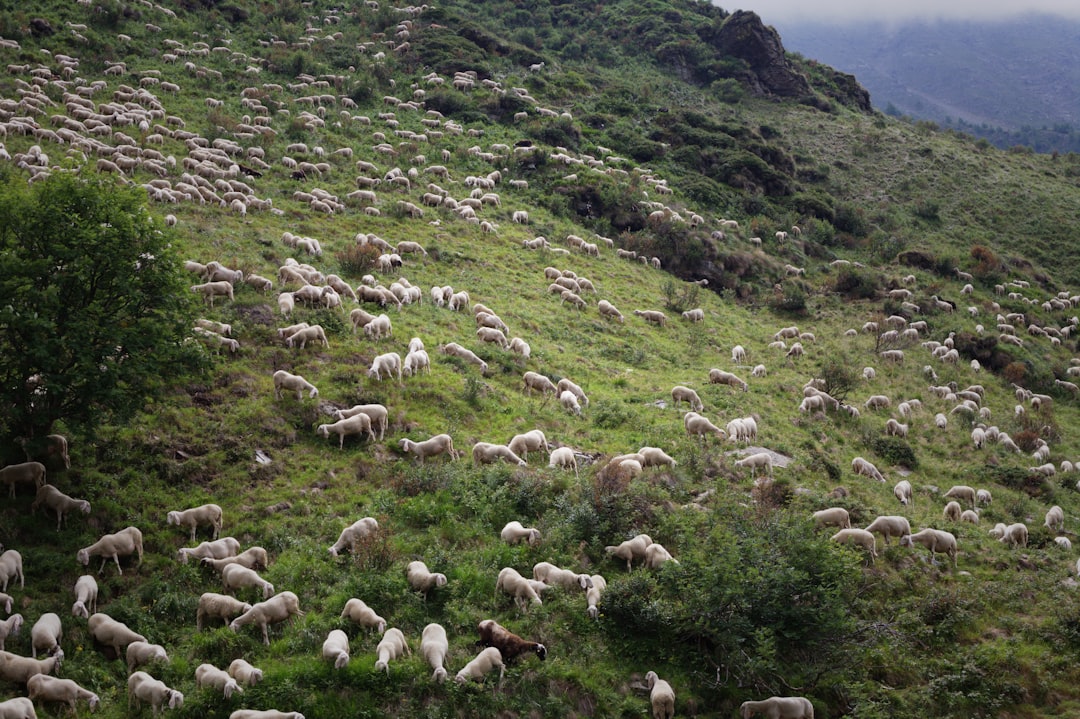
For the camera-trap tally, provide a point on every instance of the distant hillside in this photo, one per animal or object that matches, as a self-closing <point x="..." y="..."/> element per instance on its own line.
<point x="1012" y="82"/>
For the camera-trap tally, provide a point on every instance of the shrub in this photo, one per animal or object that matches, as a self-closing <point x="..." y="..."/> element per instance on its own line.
<point x="856" y="284"/>
<point x="895" y="450"/>
<point x="357" y="259"/>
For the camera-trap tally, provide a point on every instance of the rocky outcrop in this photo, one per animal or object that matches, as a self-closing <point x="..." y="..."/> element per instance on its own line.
<point x="769" y="72"/>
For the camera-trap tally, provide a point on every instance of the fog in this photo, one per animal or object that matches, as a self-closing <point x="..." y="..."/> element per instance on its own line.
<point x="781" y="12"/>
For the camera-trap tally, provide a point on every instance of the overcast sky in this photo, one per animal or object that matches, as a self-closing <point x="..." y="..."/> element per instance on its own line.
<point x="778" y="12"/>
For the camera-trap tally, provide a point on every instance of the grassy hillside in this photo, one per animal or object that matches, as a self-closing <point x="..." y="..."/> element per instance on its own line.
<point x="760" y="603"/>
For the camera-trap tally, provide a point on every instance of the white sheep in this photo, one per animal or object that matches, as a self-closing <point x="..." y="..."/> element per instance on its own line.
<point x="140" y="653"/>
<point x="86" y="592"/>
<point x="935" y="540"/>
<point x="759" y="460"/>
<point x="245" y="673"/>
<point x="656" y="555"/>
<point x="266" y="713"/>
<point x="515" y="531"/>
<point x="717" y="376"/>
<point x="610" y="311"/>
<point x="983" y="497"/>
<point x="952" y="511"/>
<point x="902" y="491"/>
<point x="701" y="426"/>
<point x="144" y="688"/>
<point x="354" y="535"/>
<point x="392" y="646"/>
<point x="511" y="582"/>
<point x="563" y="457"/>
<point x="654" y="316"/>
<point x="969" y="515"/>
<point x="534" y="380"/>
<point x="679" y="393"/>
<point x="631" y="549"/>
<point x="18" y="708"/>
<point x="357" y="611"/>
<point x="1055" y="519"/>
<point x="593" y="595"/>
<point x="655" y="457"/>
<point x="890" y="525"/>
<point x="422" y="580"/>
<point x="566" y="385"/>
<point x="895" y="429"/>
<point x="439" y="444"/>
<point x="45" y="688"/>
<point x="377" y="413"/>
<point x="554" y="576"/>
<point x="191" y="518"/>
<point x="6" y="601"/>
<point x="963" y="492"/>
<point x="661" y="696"/>
<point x="481" y="666"/>
<point x="388" y="363"/>
<point x="778" y="708"/>
<point x="832" y="517"/>
<point x="358" y="424"/>
<point x="23" y="473"/>
<point x="301" y="337"/>
<point x="488" y="453"/>
<point x="236" y="576"/>
<point x="59" y="502"/>
<point x="335" y="648"/>
<point x="11" y="567"/>
<point x="1015" y="535"/>
<point x="210" y="290"/>
<point x="207" y="675"/>
<point x="10" y="627"/>
<point x="434" y="647"/>
<point x="1063" y="542"/>
<point x="859" y="537"/>
<point x="276" y="609"/>
<point x="112" y="633"/>
<point x="125" y="542"/>
<point x="53" y="444"/>
<point x="866" y="468"/>
<point x="252" y="558"/>
<point x="285" y="380"/>
<point x="218" y="606"/>
<point x="415" y="361"/>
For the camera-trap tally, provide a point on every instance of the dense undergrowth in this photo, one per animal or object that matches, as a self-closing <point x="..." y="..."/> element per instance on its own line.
<point x="759" y="603"/>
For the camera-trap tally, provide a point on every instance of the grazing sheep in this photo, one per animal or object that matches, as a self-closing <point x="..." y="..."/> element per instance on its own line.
<point x="969" y="515"/>
<point x="235" y="576"/>
<point x="392" y="646"/>
<point x="207" y="675"/>
<point x="877" y="401"/>
<point x="514" y="532"/>
<point x="859" y="537"/>
<point x="890" y="526"/>
<point x="717" y="376"/>
<point x="285" y="380"/>
<point x="662" y="697"/>
<point x="1063" y="542"/>
<point x="192" y="518"/>
<point x="631" y="549"/>
<point x="610" y="311"/>
<point x="112" y="633"/>
<point x="18" y="670"/>
<point x="550" y="574"/>
<point x="1055" y="519"/>
<point x="952" y="511"/>
<point x="867" y="469"/>
<point x="336" y="648"/>
<point x="566" y="385"/>
<point x="679" y="393"/>
<point x="434" y="648"/>
<point x="654" y="316"/>
<point x="832" y="517"/>
<point x="983" y="497"/>
<point x="45" y="635"/>
<point x="511" y="582"/>
<point x="244" y="673"/>
<point x="563" y="457"/>
<point x="220" y="606"/>
<point x="902" y="492"/>
<point x="19" y="707"/>
<point x="357" y="424"/>
<point x="962" y="492"/>
<point x="422" y="580"/>
<point x="86" y="591"/>
<point x="140" y="653"/>
<point x="593" y="595"/>
<point x="210" y="290"/>
<point x="273" y="610"/>
<point x="10" y="627"/>
<point x="266" y="713"/>
<point x="377" y="413"/>
<point x="45" y="688"/>
<point x="532" y="440"/>
<point x="935" y="540"/>
<point x="510" y="645"/>
<point x="354" y="535"/>
<point x="488" y="453"/>
<point x="388" y="363"/>
<point x="481" y="665"/>
<point x="59" y="502"/>
<point x="125" y="542"/>
<point x="11" y="567"/>
<point x="144" y="688"/>
<point x="755" y="462"/>
<point x="24" y="473"/>
<point x="656" y="555"/>
<point x="778" y="708"/>
<point x="252" y="558"/>
<point x="895" y="429"/>
<point x="1015" y="535"/>
<point x="439" y="444"/>
<point x="360" y="613"/>
<point x="699" y="425"/>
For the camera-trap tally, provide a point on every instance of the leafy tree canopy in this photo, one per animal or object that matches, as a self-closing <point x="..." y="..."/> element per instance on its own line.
<point x="93" y="307"/>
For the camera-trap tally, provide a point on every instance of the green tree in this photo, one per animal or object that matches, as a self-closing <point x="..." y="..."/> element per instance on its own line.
<point x="93" y="306"/>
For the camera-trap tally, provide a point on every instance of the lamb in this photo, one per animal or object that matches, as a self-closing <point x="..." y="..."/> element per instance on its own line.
<point x="439" y="444"/>
<point x="563" y="457"/>
<point x="86" y="591"/>
<point x="434" y="647"/>
<point x="220" y="606"/>
<point x="360" y="613"/>
<point x="778" y="708"/>
<point x="252" y="558"/>
<point x="1015" y="534"/>
<point x="125" y="542"/>
<point x="392" y="646"/>
<point x="512" y="583"/>
<point x="356" y="425"/>
<point x="108" y="631"/>
<point x="422" y="580"/>
<point x="481" y="666"/>
<point x="488" y="453"/>
<point x="662" y="697"/>
<point x="865" y="468"/>
<point x="236" y="576"/>
<point x="140" y="653"/>
<point x="935" y="540"/>
<point x="656" y="555"/>
<point x="11" y="568"/>
<point x="755" y="462"/>
<point x="859" y="537"/>
<point x="717" y="376"/>
<point x="1055" y="519"/>
<point x="679" y="393"/>
<point x="631" y="549"/>
<point x="890" y="526"/>
<point x="377" y="413"/>
<point x="550" y="574"/>
<point x="962" y="492"/>
<point x="24" y="473"/>
<point x="244" y="673"/>
<point x="531" y="440"/>
<point x="192" y="518"/>
<point x="355" y="534"/>
<point x="314" y="333"/>
<point x="46" y="634"/>
<point x="18" y="670"/>
<point x="832" y="517"/>
<point x="45" y="688"/>
<point x="902" y="490"/>
<point x="144" y="688"/>
<point x="336" y="648"/>
<point x="271" y="611"/>
<point x="388" y="363"/>
<point x="18" y="708"/>
<point x="514" y="532"/>
<point x="952" y="511"/>
<point x="285" y="380"/>
<point x="10" y="627"/>
<point x="510" y="645"/>
<point x="654" y="316"/>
